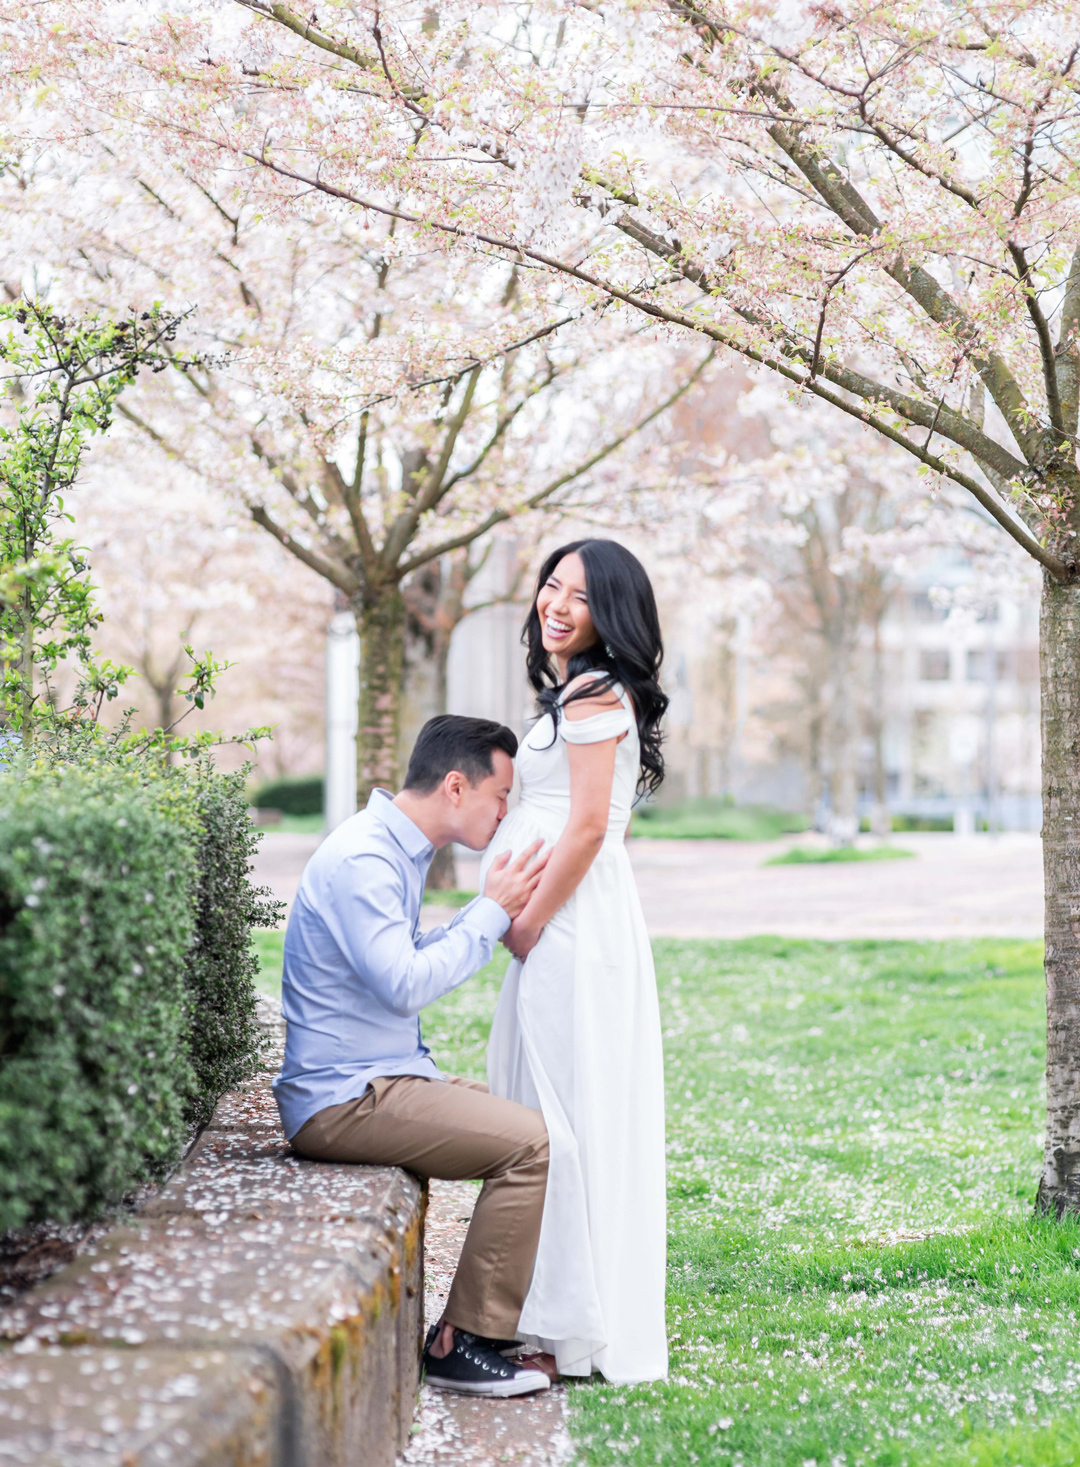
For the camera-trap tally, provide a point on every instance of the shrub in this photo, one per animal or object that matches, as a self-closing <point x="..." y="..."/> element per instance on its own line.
<point x="126" y="999"/>
<point x="922" y="822"/>
<point x="97" y="915"/>
<point x="223" y="1034"/>
<point x="302" y="796"/>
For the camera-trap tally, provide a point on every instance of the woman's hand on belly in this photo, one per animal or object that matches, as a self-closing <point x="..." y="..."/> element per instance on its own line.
<point x="521" y="938"/>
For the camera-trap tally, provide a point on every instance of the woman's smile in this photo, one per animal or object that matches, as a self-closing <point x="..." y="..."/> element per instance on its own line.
<point x="562" y="604"/>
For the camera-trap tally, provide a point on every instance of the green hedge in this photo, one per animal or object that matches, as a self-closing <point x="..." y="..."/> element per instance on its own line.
<point x="222" y="964"/>
<point x="300" y="796"/>
<point x="126" y="1002"/>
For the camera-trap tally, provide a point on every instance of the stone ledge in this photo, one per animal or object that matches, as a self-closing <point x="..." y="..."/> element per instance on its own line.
<point x="259" y="1309"/>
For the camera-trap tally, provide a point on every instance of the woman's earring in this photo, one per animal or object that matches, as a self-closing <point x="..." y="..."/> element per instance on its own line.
<point x="610" y="653"/>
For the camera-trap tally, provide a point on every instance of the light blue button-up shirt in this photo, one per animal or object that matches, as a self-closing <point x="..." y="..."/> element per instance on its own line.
<point x="357" y="968"/>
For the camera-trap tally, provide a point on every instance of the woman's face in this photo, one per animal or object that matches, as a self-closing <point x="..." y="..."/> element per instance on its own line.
<point x="562" y="605"/>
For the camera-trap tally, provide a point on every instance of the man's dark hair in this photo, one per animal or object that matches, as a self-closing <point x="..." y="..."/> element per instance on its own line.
<point x="451" y="742"/>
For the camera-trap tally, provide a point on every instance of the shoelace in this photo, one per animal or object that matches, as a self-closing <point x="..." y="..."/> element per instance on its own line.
<point x="500" y="1371"/>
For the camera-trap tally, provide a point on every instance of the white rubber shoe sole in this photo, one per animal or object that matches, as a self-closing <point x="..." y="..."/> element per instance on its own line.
<point x="525" y="1383"/>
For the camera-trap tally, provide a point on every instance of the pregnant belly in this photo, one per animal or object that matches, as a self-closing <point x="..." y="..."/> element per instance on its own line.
<point x="525" y="824"/>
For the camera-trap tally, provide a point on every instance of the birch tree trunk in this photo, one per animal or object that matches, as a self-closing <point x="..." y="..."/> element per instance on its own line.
<point x="1059" y="637"/>
<point x="381" y="624"/>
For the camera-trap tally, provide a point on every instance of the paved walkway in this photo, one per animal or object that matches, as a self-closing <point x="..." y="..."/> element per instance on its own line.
<point x="955" y="886"/>
<point x="460" y="1431"/>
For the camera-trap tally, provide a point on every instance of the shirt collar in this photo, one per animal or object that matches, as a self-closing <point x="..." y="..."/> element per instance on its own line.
<point x="408" y="835"/>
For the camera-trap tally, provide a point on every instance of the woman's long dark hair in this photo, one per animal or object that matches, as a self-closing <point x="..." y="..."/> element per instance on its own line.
<point x="628" y="648"/>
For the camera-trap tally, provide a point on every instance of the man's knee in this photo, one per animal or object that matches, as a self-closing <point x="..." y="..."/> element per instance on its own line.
<point x="536" y="1147"/>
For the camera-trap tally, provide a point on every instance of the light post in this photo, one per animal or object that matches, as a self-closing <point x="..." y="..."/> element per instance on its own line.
<point x="342" y="695"/>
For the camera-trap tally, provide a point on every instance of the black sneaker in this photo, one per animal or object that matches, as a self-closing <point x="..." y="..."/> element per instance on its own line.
<point x="475" y="1369"/>
<point x="501" y="1347"/>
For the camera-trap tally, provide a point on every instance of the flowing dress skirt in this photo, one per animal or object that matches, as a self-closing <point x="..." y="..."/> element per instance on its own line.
<point x="577" y="1035"/>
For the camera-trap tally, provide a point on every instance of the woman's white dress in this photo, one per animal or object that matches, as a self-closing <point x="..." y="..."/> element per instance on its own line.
<point x="577" y="1035"/>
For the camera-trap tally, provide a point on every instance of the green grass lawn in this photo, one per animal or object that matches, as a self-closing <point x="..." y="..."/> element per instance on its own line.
<point x="816" y="855"/>
<point x="714" y="819"/>
<point x="296" y="825"/>
<point x="855" y="1274"/>
<point x="268" y="949"/>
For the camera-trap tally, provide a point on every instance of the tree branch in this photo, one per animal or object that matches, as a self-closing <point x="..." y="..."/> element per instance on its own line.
<point x="922" y="414"/>
<point x="308" y="31"/>
<point x="912" y="161"/>
<point x="350" y="498"/>
<point x="1057" y="567"/>
<point x="431" y="490"/>
<point x="500" y="516"/>
<point x="499" y="430"/>
<point x="154" y="436"/>
<point x="1011" y="525"/>
<point x="301" y="496"/>
<point x="940" y="418"/>
<point x="1042" y="332"/>
<point x="331" y="570"/>
<point x="842" y="198"/>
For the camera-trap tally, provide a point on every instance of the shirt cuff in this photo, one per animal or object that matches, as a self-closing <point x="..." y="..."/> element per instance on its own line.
<point x="485" y="915"/>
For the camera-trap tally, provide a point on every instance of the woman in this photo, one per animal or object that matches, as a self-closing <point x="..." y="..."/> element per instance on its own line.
<point x="577" y="1027"/>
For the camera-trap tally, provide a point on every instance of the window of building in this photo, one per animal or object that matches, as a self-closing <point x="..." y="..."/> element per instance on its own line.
<point x="934" y="665"/>
<point x="978" y="661"/>
<point x="923" y="609"/>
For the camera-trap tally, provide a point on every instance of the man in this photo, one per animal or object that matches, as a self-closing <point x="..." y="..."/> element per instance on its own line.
<point x="358" y="1083"/>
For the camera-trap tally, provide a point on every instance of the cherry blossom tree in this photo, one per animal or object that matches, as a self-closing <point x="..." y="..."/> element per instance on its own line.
<point x="377" y="405"/>
<point x="879" y="204"/>
<point x="176" y="564"/>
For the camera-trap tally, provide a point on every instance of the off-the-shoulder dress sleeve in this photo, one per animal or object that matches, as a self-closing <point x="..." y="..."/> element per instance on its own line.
<point x="611" y="724"/>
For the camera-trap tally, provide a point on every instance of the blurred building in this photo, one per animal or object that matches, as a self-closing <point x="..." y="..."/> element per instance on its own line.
<point x="948" y="703"/>
<point x="961" y="711"/>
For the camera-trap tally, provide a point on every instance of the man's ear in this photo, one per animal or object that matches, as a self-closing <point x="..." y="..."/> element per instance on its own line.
<point x="454" y="786"/>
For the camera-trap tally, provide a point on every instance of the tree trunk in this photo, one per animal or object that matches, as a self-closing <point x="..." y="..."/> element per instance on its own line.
<point x="880" y="822"/>
<point x="844" y="817"/>
<point x="435" y="603"/>
<point x="1059" y="639"/>
<point x="164" y="691"/>
<point x="381" y="624"/>
<point x="443" y="873"/>
<point x="843" y="823"/>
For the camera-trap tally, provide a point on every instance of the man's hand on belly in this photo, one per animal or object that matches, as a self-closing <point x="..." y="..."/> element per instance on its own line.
<point x="512" y="882"/>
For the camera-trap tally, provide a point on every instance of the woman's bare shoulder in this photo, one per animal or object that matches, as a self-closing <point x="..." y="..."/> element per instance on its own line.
<point x="603" y="701"/>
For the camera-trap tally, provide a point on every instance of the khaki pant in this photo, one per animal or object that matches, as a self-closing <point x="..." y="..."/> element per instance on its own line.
<point x="455" y="1130"/>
